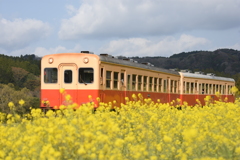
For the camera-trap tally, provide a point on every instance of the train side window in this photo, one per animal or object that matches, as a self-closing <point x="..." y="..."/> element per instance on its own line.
<point x="229" y="89"/>
<point x="150" y="83"/>
<point x="165" y="84"/>
<point x="139" y="83"/>
<point x="145" y="83"/>
<point x="122" y="78"/>
<point x="128" y="82"/>
<point x="50" y="75"/>
<point x="207" y="88"/>
<point x="115" y="84"/>
<point x="192" y="88"/>
<point x="101" y="75"/>
<point x="134" y="82"/>
<point x="108" y="79"/>
<point x="200" y="88"/>
<point x="86" y="75"/>
<point x="68" y="76"/>
<point x="210" y="88"/>
<point x="171" y="86"/>
<point x="214" y="88"/>
<point x="203" y="88"/>
<point x="175" y="86"/>
<point x="187" y="87"/>
<point x="195" y="88"/>
<point x="224" y="89"/>
<point x="160" y="85"/>
<point x="155" y="84"/>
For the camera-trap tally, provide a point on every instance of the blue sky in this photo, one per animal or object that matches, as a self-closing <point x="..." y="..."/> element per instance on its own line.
<point x="118" y="27"/>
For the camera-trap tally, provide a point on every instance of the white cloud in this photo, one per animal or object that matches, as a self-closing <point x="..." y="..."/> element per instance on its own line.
<point x="143" y="47"/>
<point x="235" y="46"/>
<point x="123" y="18"/>
<point x="20" y="33"/>
<point x="41" y="51"/>
<point x="71" y="9"/>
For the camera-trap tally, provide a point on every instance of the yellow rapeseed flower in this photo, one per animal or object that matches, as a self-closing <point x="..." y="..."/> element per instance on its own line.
<point x="68" y="97"/>
<point x="217" y="94"/>
<point x="167" y="139"/>
<point x="234" y="90"/>
<point x="98" y="99"/>
<point x="62" y="90"/>
<point x="21" y="102"/>
<point x="237" y="150"/>
<point x="10" y="104"/>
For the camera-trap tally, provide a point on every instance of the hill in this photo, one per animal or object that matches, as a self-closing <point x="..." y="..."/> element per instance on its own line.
<point x="23" y="71"/>
<point x="222" y="61"/>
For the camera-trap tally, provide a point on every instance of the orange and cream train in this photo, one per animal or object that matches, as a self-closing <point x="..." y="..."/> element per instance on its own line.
<point x="83" y="74"/>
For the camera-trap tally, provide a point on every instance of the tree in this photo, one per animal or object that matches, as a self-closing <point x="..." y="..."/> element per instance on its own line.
<point x="18" y="75"/>
<point x="9" y="94"/>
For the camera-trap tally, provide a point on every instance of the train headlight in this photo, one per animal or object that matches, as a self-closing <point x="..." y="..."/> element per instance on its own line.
<point x="50" y="60"/>
<point x="85" y="60"/>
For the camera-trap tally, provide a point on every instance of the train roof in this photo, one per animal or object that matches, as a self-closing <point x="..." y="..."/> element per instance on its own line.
<point x="130" y="63"/>
<point x="202" y="76"/>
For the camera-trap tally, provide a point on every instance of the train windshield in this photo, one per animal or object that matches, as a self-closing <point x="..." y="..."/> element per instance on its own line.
<point x="86" y="75"/>
<point x="50" y="75"/>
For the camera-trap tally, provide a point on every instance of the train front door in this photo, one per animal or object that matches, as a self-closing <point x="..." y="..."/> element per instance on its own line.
<point x="68" y="81"/>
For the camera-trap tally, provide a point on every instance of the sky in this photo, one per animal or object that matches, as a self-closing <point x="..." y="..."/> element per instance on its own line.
<point x="118" y="27"/>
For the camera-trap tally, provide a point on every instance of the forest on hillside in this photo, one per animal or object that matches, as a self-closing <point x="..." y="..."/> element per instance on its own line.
<point x="19" y="79"/>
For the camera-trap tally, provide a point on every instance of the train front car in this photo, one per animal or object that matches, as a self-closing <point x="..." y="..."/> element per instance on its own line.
<point x="196" y="86"/>
<point x="68" y="78"/>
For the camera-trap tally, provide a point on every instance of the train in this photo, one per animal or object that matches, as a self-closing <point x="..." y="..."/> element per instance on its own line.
<point x="111" y="79"/>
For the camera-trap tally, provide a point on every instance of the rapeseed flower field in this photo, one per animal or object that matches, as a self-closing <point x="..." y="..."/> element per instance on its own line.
<point x="139" y="129"/>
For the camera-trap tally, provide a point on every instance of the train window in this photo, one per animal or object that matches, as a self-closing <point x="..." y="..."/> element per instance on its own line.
<point x="150" y="83"/>
<point x="192" y="87"/>
<point x="108" y="79"/>
<point x="155" y="84"/>
<point x="145" y="83"/>
<point x="203" y="88"/>
<point x="101" y="75"/>
<point x="122" y="78"/>
<point x="187" y="87"/>
<point x="224" y="89"/>
<point x="68" y="76"/>
<point x="214" y="89"/>
<point x="175" y="86"/>
<point x="160" y="85"/>
<point x="139" y="83"/>
<point x="115" y="84"/>
<point x="210" y="88"/>
<point x="165" y="84"/>
<point x="86" y="75"/>
<point x="195" y="88"/>
<point x="229" y="89"/>
<point x="171" y="86"/>
<point x="217" y="88"/>
<point x="199" y="89"/>
<point x="128" y="82"/>
<point x="134" y="82"/>
<point x="50" y="75"/>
